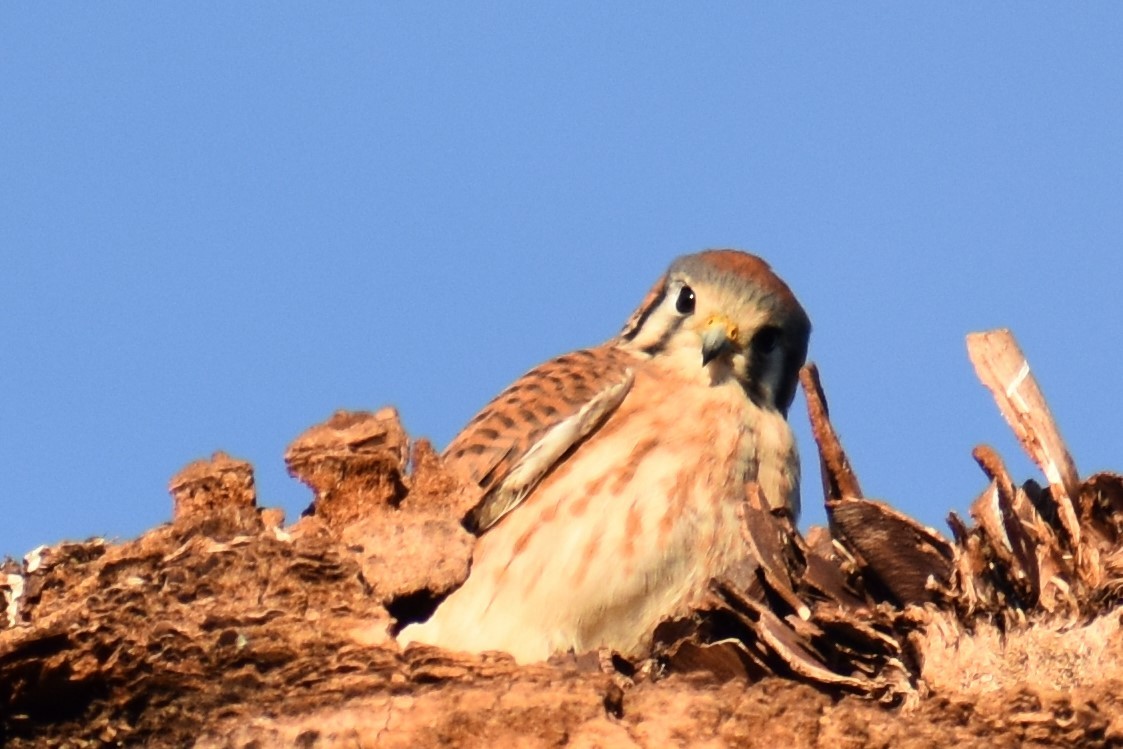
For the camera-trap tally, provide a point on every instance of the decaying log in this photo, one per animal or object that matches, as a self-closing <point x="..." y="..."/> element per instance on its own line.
<point x="227" y="628"/>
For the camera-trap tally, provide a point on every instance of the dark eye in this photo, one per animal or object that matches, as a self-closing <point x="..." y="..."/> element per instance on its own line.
<point x="766" y="340"/>
<point x="685" y="302"/>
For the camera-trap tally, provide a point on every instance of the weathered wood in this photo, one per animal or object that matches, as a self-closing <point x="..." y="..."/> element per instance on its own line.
<point x="1015" y="518"/>
<point x="839" y="479"/>
<point x="225" y="629"/>
<point x="1003" y="369"/>
<point x="911" y="561"/>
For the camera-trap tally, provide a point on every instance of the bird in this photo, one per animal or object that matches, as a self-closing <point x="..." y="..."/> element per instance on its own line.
<point x="611" y="476"/>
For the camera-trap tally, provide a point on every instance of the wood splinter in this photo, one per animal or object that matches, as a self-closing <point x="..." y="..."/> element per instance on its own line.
<point x="1004" y="371"/>
<point x="839" y="480"/>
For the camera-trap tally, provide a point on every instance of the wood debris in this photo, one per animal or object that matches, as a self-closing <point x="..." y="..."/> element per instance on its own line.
<point x="227" y="627"/>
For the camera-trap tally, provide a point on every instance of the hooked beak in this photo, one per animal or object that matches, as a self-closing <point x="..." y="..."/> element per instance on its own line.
<point x="719" y="335"/>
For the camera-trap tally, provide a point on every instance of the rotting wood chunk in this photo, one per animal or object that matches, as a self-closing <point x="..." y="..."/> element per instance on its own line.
<point x="402" y="525"/>
<point x="217" y="495"/>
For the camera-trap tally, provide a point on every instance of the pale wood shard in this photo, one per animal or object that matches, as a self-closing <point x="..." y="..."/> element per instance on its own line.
<point x="1017" y="520"/>
<point x="838" y="477"/>
<point x="987" y="515"/>
<point x="1012" y="562"/>
<point x="995" y="469"/>
<point x="1048" y="558"/>
<point x="1003" y="369"/>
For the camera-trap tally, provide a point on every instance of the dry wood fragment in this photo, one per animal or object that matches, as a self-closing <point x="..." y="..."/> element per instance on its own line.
<point x="1018" y="522"/>
<point x="995" y="469"/>
<point x="355" y="462"/>
<point x="356" y="465"/>
<point x="1003" y="369"/>
<point x="1103" y="500"/>
<point x="911" y="561"/>
<point x="205" y="486"/>
<point x="225" y="629"/>
<point x="824" y="579"/>
<point x="838" y="478"/>
<point x="986" y="512"/>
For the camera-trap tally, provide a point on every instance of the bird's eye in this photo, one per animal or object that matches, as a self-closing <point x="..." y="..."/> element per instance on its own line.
<point x="685" y="302"/>
<point x="766" y="340"/>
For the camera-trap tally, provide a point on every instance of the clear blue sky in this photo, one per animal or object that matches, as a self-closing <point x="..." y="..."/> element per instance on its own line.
<point x="219" y="222"/>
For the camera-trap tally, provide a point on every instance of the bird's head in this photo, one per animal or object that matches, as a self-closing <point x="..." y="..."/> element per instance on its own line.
<point x="721" y="314"/>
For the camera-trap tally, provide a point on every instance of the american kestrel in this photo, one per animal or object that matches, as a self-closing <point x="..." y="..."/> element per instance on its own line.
<point x="612" y="475"/>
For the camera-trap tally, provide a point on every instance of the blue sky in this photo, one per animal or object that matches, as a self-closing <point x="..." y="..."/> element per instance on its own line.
<point x="222" y="221"/>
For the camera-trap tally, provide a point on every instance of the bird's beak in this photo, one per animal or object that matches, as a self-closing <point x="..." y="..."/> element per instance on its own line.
<point x="719" y="335"/>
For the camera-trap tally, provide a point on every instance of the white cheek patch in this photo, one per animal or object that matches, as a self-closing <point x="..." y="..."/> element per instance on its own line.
<point x="654" y="328"/>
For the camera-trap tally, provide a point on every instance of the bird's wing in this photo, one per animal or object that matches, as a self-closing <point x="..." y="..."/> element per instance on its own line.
<point x="529" y="427"/>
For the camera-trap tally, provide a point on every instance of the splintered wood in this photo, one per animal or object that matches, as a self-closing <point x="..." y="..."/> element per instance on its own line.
<point x="790" y="611"/>
<point x="1032" y="549"/>
<point x="827" y="611"/>
<point x="1003" y="369"/>
<point x="901" y="559"/>
<point x="838" y="478"/>
<point x="225" y="629"/>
